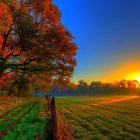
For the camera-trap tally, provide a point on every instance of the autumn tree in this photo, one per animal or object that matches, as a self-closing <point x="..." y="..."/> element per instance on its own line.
<point x="33" y="40"/>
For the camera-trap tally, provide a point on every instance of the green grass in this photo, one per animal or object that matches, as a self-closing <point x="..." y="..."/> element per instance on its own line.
<point x="12" y="116"/>
<point x="30" y="126"/>
<point x="13" y="102"/>
<point x="97" y="119"/>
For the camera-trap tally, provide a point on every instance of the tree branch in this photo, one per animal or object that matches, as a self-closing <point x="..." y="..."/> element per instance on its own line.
<point x="32" y="69"/>
<point x="5" y="39"/>
<point x="15" y="55"/>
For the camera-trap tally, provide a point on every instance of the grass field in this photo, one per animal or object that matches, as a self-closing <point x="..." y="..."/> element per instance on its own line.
<point x="87" y="118"/>
<point x="101" y="118"/>
<point x="29" y="115"/>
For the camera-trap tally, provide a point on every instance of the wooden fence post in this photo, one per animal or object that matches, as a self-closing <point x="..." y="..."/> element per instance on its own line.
<point x="48" y="99"/>
<point x="54" y="119"/>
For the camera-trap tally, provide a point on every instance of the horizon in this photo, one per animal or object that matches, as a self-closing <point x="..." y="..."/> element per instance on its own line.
<point x="108" y="82"/>
<point x="107" y="34"/>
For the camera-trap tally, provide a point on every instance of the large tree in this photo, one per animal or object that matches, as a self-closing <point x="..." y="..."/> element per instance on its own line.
<point x="33" y="40"/>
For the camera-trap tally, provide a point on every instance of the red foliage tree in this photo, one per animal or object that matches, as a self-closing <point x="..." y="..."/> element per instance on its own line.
<point x="33" y="40"/>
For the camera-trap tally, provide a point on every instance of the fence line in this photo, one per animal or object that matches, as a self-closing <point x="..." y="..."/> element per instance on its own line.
<point x="53" y="120"/>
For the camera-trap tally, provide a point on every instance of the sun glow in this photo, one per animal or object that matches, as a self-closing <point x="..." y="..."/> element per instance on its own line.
<point x="134" y="76"/>
<point x="138" y="78"/>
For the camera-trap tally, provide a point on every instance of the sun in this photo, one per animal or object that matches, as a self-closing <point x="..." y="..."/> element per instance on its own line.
<point x="134" y="76"/>
<point x="138" y="78"/>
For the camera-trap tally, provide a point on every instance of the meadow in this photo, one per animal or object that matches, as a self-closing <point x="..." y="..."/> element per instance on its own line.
<point x="23" y="118"/>
<point x="101" y="118"/>
<point x="79" y="118"/>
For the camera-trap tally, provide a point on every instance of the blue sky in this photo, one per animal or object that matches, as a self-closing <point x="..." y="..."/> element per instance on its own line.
<point x="107" y="33"/>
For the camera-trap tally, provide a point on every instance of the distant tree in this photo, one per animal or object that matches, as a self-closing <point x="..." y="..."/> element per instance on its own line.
<point x="96" y="84"/>
<point x="120" y="84"/>
<point x="107" y="85"/>
<point x="123" y="83"/>
<point x="72" y="89"/>
<point x="82" y="83"/>
<point x="132" y="84"/>
<point x="83" y="87"/>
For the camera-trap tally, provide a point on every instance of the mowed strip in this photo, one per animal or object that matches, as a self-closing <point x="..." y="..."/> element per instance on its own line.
<point x="109" y="121"/>
<point x="7" y="103"/>
<point x="13" y="118"/>
<point x="35" y="123"/>
<point x="13" y="110"/>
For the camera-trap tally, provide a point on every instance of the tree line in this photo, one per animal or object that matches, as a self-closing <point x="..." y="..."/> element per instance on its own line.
<point x="97" y="88"/>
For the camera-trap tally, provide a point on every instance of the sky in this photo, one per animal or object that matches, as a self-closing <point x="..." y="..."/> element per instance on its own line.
<point x="107" y="33"/>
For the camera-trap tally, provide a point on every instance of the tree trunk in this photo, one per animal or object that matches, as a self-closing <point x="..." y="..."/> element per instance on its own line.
<point x="1" y="69"/>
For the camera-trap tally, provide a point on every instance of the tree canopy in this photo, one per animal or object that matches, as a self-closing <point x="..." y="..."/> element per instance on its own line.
<point x="34" y="41"/>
